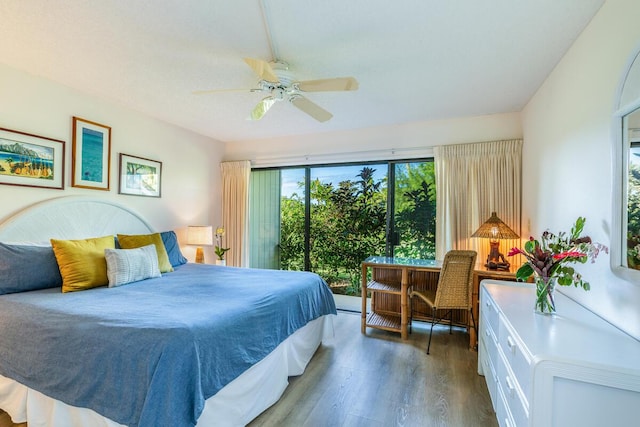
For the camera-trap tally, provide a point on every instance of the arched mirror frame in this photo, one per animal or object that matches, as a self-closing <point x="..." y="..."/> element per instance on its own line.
<point x="627" y="101"/>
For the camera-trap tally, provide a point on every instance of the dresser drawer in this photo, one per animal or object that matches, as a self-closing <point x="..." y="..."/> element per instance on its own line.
<point x="515" y="357"/>
<point x="502" y="413"/>
<point x="513" y="397"/>
<point x="487" y="336"/>
<point x="489" y="371"/>
<point x="488" y="311"/>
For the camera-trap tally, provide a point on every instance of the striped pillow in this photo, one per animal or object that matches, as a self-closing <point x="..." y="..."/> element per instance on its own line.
<point x="131" y="265"/>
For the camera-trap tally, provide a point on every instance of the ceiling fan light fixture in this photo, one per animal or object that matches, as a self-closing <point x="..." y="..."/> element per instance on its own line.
<point x="281" y="70"/>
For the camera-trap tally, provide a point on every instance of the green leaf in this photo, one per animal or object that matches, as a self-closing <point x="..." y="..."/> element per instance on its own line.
<point x="530" y="245"/>
<point x="577" y="228"/>
<point x="524" y="272"/>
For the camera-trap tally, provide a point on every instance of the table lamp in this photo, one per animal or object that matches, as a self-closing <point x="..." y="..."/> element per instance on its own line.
<point x="494" y="229"/>
<point x="200" y="235"/>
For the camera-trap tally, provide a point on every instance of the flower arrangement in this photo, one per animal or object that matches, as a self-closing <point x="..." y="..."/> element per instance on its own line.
<point x="547" y="261"/>
<point x="219" y="250"/>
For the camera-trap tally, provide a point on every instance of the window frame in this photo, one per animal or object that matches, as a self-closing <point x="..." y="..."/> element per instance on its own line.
<point x="390" y="173"/>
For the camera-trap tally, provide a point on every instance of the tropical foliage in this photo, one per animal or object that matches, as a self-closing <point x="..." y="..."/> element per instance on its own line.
<point x="348" y="223"/>
<point x="415" y="212"/>
<point x="548" y="261"/>
<point x="633" y="217"/>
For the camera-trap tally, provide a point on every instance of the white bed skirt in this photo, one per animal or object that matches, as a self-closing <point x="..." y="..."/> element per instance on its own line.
<point x="236" y="404"/>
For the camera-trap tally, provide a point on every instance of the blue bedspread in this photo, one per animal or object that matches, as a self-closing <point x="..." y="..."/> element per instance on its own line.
<point x="150" y="353"/>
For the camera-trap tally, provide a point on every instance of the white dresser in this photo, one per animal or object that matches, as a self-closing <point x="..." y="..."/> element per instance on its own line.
<point x="569" y="369"/>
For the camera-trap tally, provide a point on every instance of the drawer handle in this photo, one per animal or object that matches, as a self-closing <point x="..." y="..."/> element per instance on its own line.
<point x="487" y="333"/>
<point x="510" y="386"/>
<point x="511" y="344"/>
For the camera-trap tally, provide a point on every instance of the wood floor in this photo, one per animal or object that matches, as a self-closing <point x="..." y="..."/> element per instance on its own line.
<point x="5" y="421"/>
<point x="379" y="380"/>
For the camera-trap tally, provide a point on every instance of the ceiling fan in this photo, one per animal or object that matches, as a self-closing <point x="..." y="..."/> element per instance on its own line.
<point x="278" y="82"/>
<point x="275" y="79"/>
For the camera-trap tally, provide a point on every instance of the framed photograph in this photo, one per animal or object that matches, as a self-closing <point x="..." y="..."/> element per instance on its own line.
<point x="139" y="176"/>
<point x="31" y="160"/>
<point x="91" y="157"/>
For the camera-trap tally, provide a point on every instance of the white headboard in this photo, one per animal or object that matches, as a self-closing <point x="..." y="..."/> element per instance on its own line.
<point x="71" y="217"/>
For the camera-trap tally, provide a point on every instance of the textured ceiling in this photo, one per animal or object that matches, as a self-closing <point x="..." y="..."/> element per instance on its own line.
<point x="415" y="60"/>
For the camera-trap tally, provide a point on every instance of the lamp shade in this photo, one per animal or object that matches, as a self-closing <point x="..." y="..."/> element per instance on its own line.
<point x="200" y="235"/>
<point x="494" y="228"/>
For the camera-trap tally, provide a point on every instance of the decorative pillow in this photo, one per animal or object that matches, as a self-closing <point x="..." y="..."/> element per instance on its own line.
<point x="27" y="268"/>
<point x="139" y="240"/>
<point x="170" y="241"/>
<point x="82" y="263"/>
<point x="131" y="265"/>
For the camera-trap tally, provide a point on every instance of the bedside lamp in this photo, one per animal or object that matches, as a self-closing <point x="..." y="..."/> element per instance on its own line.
<point x="494" y="229"/>
<point x="200" y="235"/>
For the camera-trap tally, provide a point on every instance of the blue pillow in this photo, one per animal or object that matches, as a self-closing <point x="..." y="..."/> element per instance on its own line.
<point x="27" y="268"/>
<point x="170" y="241"/>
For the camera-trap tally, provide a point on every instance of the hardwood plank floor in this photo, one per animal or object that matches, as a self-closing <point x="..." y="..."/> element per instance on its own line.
<point x="380" y="380"/>
<point x="5" y="421"/>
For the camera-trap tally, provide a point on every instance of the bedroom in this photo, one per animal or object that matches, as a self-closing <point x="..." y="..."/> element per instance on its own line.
<point x="566" y="125"/>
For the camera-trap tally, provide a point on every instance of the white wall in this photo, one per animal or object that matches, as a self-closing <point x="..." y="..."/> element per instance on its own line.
<point x="409" y="140"/>
<point x="191" y="183"/>
<point x="567" y="152"/>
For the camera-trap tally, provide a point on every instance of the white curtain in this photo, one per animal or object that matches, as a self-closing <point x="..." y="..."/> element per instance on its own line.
<point x="235" y="210"/>
<point x="473" y="180"/>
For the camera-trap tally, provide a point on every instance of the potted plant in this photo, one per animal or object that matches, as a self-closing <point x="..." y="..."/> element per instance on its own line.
<point x="219" y="249"/>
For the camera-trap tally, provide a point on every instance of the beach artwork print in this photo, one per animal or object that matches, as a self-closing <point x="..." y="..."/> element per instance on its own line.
<point x="30" y="160"/>
<point x="91" y="154"/>
<point x="139" y="176"/>
<point x="92" y="146"/>
<point x="27" y="160"/>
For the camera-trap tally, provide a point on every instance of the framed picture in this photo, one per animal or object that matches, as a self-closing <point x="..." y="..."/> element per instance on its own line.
<point x="91" y="157"/>
<point x="31" y="160"/>
<point x="139" y="176"/>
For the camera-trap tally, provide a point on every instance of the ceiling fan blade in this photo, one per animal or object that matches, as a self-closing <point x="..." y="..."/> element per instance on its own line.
<point x="312" y="109"/>
<point x="205" y="92"/>
<point x="262" y="108"/>
<point x="325" y="85"/>
<point x="262" y="69"/>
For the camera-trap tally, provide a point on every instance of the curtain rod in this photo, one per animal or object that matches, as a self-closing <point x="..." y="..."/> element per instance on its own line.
<point x="345" y="156"/>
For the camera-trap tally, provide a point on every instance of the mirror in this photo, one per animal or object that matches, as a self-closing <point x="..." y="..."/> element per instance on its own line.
<point x="631" y="145"/>
<point x="625" y="237"/>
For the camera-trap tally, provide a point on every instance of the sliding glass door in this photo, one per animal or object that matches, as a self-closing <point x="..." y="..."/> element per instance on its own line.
<point x="413" y="230"/>
<point x="347" y="221"/>
<point x="328" y="219"/>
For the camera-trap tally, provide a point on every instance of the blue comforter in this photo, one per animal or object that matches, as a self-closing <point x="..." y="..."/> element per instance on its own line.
<point x="150" y="353"/>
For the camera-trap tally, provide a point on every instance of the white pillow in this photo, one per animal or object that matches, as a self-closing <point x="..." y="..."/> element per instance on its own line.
<point x="131" y="265"/>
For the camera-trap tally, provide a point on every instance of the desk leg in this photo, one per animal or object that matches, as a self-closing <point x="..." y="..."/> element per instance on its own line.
<point x="404" y="311"/>
<point x="475" y="292"/>
<point x="363" y="326"/>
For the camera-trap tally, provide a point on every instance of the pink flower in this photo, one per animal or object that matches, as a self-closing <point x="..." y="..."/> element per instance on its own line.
<point x="516" y="251"/>
<point x="569" y="254"/>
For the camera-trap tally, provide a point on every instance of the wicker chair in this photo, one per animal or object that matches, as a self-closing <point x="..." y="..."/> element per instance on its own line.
<point x="453" y="292"/>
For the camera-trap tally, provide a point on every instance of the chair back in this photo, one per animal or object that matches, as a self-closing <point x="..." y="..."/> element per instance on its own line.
<point x="456" y="277"/>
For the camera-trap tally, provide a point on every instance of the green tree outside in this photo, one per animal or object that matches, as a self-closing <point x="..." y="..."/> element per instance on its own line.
<point x="633" y="217"/>
<point x="348" y="223"/>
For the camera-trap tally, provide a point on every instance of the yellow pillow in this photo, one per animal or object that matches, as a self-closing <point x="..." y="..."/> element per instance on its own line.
<point x="82" y="263"/>
<point x="140" y="240"/>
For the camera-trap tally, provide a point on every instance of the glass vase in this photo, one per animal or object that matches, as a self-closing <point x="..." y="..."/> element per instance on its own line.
<point x="545" y="287"/>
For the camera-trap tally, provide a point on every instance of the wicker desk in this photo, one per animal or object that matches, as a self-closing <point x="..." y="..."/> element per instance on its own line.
<point x="389" y="284"/>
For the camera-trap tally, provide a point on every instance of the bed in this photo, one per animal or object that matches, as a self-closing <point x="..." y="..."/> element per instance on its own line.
<point x="202" y="345"/>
